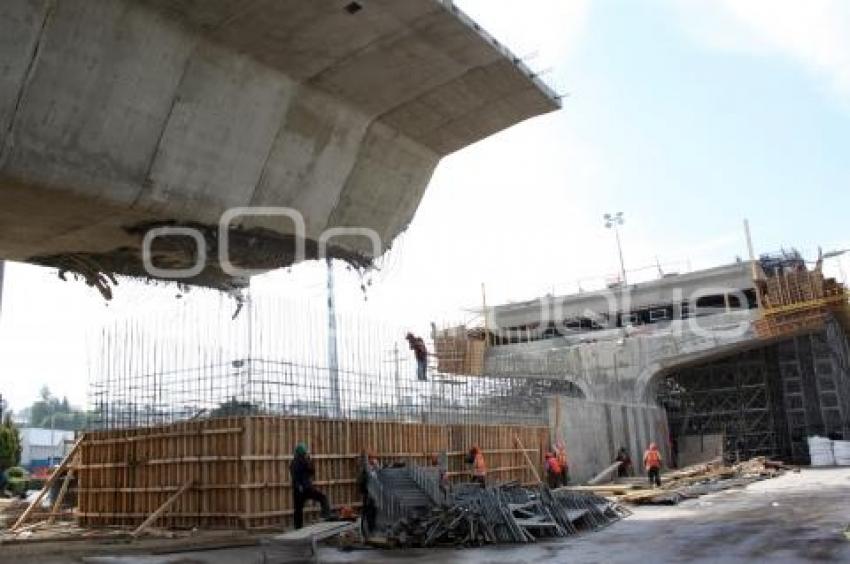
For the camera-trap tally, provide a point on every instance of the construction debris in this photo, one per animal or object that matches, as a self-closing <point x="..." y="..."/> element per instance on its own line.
<point x="474" y="516"/>
<point x="690" y="482"/>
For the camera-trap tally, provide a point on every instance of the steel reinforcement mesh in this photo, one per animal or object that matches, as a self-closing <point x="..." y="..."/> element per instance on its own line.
<point x="273" y="359"/>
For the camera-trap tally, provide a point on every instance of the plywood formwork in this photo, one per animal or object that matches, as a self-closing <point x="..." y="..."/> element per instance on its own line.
<point x="460" y="350"/>
<point x="239" y="465"/>
<point x="798" y="302"/>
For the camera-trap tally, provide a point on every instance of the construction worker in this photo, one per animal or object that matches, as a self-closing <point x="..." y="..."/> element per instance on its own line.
<point x="479" y="466"/>
<point x="652" y="463"/>
<point x="301" y="472"/>
<point x="625" y="468"/>
<point x="553" y="470"/>
<point x="441" y="462"/>
<point x="420" y="352"/>
<point x="368" y="473"/>
<point x="561" y="450"/>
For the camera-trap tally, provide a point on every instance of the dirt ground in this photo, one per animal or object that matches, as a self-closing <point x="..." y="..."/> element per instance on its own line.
<point x="798" y="517"/>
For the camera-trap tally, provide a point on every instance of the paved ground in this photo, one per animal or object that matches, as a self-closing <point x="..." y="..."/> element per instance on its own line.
<point x="795" y="518"/>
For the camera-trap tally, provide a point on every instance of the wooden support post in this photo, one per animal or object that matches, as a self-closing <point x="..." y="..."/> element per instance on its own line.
<point x="47" y="485"/>
<point x="57" y="504"/>
<point x="528" y="459"/>
<point x="162" y="509"/>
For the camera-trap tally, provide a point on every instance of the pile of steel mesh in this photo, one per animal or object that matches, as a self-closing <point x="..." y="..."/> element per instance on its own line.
<point x="473" y="516"/>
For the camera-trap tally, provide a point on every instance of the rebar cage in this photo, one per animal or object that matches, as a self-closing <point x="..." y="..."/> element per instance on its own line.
<point x="273" y="360"/>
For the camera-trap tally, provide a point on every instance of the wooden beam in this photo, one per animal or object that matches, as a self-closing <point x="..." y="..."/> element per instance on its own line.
<point x="604" y="474"/>
<point x="162" y="509"/>
<point x="158" y="436"/>
<point x="528" y="459"/>
<point x="57" y="504"/>
<point x="48" y="484"/>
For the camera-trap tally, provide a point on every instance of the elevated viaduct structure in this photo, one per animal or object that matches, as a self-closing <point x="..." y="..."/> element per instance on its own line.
<point x="693" y="362"/>
<point x="121" y="115"/>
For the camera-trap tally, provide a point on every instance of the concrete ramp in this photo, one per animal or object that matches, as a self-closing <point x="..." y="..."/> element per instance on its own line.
<point x="118" y="116"/>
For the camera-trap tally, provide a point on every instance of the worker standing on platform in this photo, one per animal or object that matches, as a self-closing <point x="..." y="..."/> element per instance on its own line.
<point x="652" y="462"/>
<point x="479" y="466"/>
<point x="301" y="472"/>
<point x="563" y="462"/>
<point x="420" y="352"/>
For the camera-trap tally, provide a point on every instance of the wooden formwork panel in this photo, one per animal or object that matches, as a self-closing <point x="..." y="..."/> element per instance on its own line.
<point x="240" y="465"/>
<point x="460" y="353"/>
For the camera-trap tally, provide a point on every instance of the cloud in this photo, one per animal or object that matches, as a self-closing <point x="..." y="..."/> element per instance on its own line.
<point x="814" y="33"/>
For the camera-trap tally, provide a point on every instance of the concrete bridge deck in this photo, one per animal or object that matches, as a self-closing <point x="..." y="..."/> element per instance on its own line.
<point x="120" y="115"/>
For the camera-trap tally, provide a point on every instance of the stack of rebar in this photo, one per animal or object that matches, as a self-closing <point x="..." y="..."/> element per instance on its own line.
<point x="505" y="514"/>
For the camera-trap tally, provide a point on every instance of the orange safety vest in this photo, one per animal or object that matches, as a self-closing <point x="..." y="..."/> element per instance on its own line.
<point x="652" y="459"/>
<point x="562" y="459"/>
<point x="554" y="466"/>
<point x="479" y="467"/>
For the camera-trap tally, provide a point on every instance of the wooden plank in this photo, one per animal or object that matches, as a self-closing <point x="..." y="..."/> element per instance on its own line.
<point x="162" y="508"/>
<point x="160" y="436"/>
<point x="59" y="498"/>
<point x="241" y="478"/>
<point x="48" y="484"/>
<point x="604" y="475"/>
<point x="310" y="534"/>
<point x="528" y="460"/>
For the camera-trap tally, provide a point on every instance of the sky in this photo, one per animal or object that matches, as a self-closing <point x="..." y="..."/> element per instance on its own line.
<point x="686" y="115"/>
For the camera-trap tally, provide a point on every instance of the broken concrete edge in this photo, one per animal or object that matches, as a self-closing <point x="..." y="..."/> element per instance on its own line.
<point x="263" y="249"/>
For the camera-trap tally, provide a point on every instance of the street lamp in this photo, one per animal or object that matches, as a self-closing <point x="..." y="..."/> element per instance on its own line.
<point x="614" y="222"/>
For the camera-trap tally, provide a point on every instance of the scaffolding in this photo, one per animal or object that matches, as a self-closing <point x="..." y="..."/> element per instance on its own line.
<point x="768" y="400"/>
<point x="734" y="397"/>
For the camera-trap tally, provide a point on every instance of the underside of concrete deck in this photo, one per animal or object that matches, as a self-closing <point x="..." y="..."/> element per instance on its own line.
<point x="117" y="116"/>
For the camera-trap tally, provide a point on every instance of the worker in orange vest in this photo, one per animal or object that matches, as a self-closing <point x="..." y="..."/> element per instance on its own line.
<point x="561" y="456"/>
<point x="553" y="470"/>
<point x="479" y="467"/>
<point x="652" y="462"/>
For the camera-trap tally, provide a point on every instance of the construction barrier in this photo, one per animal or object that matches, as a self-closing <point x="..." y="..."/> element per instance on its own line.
<point x="233" y="472"/>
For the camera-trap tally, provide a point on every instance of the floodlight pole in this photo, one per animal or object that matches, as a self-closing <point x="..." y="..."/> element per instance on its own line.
<point x="614" y="222"/>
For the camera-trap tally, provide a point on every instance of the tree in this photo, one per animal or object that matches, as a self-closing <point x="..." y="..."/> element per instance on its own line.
<point x="10" y="444"/>
<point x="234" y="408"/>
<point x="50" y="412"/>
